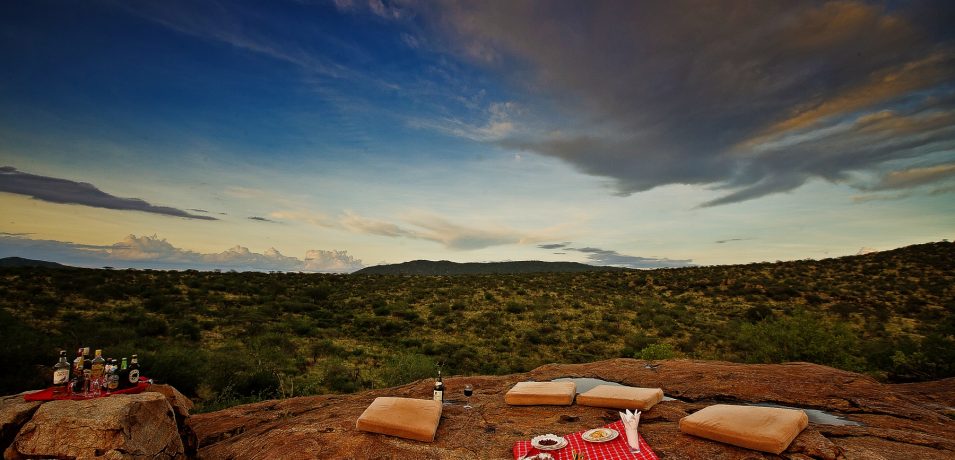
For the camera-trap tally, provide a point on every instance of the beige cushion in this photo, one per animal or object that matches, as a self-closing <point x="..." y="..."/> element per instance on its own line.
<point x="766" y="429"/>
<point x="539" y="393"/>
<point x="620" y="397"/>
<point x="402" y="417"/>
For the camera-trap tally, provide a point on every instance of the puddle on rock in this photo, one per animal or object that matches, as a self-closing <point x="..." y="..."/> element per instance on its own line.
<point x="815" y="415"/>
<point x="584" y="384"/>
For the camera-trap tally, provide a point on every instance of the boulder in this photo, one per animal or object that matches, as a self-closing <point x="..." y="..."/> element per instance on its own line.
<point x="181" y="405"/>
<point x="895" y="425"/>
<point x="118" y="427"/>
<point x="14" y="412"/>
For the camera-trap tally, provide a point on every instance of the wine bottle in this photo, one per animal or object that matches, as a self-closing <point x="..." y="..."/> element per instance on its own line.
<point x="97" y="372"/>
<point x="124" y="374"/>
<point x="78" y="367"/>
<point x="134" y="371"/>
<point x="438" y="389"/>
<point x="61" y="374"/>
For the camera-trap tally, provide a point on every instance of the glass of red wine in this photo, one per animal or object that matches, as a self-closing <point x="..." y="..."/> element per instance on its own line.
<point x="468" y="391"/>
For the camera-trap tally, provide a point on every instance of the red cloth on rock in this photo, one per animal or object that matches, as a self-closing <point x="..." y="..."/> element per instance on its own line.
<point x="47" y="394"/>
<point x="616" y="449"/>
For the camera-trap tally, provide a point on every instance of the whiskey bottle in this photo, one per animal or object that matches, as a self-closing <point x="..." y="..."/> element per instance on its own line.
<point x="61" y="374"/>
<point x="438" y="394"/>
<point x="78" y="383"/>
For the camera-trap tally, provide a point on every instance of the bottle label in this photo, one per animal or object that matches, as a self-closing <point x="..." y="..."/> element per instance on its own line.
<point x="438" y="395"/>
<point x="134" y="376"/>
<point x="97" y="370"/>
<point x="61" y="376"/>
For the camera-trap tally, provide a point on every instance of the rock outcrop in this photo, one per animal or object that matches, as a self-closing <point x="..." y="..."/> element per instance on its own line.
<point x="910" y="421"/>
<point x="897" y="421"/>
<point x="138" y="426"/>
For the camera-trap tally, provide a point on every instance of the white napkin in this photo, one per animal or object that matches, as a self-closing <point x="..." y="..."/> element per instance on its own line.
<point x="630" y="422"/>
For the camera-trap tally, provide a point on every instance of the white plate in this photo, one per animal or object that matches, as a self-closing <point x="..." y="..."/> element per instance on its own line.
<point x="600" y="435"/>
<point x="561" y="442"/>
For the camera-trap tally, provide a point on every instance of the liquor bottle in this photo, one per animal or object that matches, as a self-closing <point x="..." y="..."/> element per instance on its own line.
<point x="438" y="389"/>
<point x="112" y="380"/>
<point x="97" y="372"/>
<point x="134" y="371"/>
<point x="123" y="374"/>
<point x="61" y="374"/>
<point x="78" y="365"/>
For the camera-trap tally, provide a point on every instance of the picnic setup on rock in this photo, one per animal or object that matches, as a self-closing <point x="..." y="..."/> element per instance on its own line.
<point x="765" y="429"/>
<point x="614" y="409"/>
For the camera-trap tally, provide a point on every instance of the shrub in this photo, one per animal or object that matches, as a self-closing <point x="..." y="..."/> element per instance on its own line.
<point x="404" y="368"/>
<point x="656" y="351"/>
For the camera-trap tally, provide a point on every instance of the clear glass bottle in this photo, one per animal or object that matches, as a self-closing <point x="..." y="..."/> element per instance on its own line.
<point x="112" y="380"/>
<point x="97" y="372"/>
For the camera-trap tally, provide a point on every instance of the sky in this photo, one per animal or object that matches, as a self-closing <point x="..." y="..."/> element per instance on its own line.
<point x="326" y="136"/>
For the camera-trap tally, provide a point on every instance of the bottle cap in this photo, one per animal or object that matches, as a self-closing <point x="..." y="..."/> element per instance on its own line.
<point x="99" y="352"/>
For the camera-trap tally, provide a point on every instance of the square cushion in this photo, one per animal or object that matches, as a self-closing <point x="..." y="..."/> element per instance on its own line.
<point x="402" y="417"/>
<point x="766" y="429"/>
<point x="620" y="397"/>
<point x="540" y="393"/>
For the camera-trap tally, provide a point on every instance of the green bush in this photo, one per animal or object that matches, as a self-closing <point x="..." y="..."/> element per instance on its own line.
<point x="657" y="351"/>
<point x="800" y="337"/>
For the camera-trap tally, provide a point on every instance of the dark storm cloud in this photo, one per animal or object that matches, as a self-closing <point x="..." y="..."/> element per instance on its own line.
<point x="752" y="98"/>
<point x="64" y="191"/>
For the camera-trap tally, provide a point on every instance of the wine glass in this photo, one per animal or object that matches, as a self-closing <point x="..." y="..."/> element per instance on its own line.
<point x="468" y="391"/>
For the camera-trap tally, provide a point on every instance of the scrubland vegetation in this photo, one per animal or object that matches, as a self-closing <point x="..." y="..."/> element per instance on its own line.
<point x="228" y="338"/>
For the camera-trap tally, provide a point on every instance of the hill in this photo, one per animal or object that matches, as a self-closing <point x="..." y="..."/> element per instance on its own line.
<point x="228" y="338"/>
<point x="444" y="267"/>
<point x="13" y="262"/>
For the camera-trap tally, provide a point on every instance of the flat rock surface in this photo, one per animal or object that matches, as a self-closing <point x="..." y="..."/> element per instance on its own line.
<point x="896" y="424"/>
<point x="118" y="427"/>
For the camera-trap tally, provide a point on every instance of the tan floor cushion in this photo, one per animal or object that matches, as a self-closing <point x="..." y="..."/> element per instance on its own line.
<point x="540" y="393"/>
<point x="402" y="417"/>
<point x="620" y="397"/>
<point x="766" y="429"/>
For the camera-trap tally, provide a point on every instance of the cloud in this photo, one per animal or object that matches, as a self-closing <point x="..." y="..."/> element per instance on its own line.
<point x="234" y="26"/>
<point x="599" y="256"/>
<point x="915" y="177"/>
<point x="761" y="101"/>
<point x="496" y="124"/>
<point x="613" y="258"/>
<point x="730" y="240"/>
<point x="420" y="226"/>
<point x="64" y="191"/>
<point x="553" y="245"/>
<point x="155" y="252"/>
<point x="262" y="219"/>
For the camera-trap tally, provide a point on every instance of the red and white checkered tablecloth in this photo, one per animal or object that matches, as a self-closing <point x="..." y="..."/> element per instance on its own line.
<point x="616" y="449"/>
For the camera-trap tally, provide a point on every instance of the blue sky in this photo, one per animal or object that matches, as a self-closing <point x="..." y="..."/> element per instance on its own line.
<point x="331" y="135"/>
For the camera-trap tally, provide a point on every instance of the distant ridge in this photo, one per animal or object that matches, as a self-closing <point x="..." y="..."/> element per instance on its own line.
<point x="12" y="262"/>
<point x="444" y="267"/>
